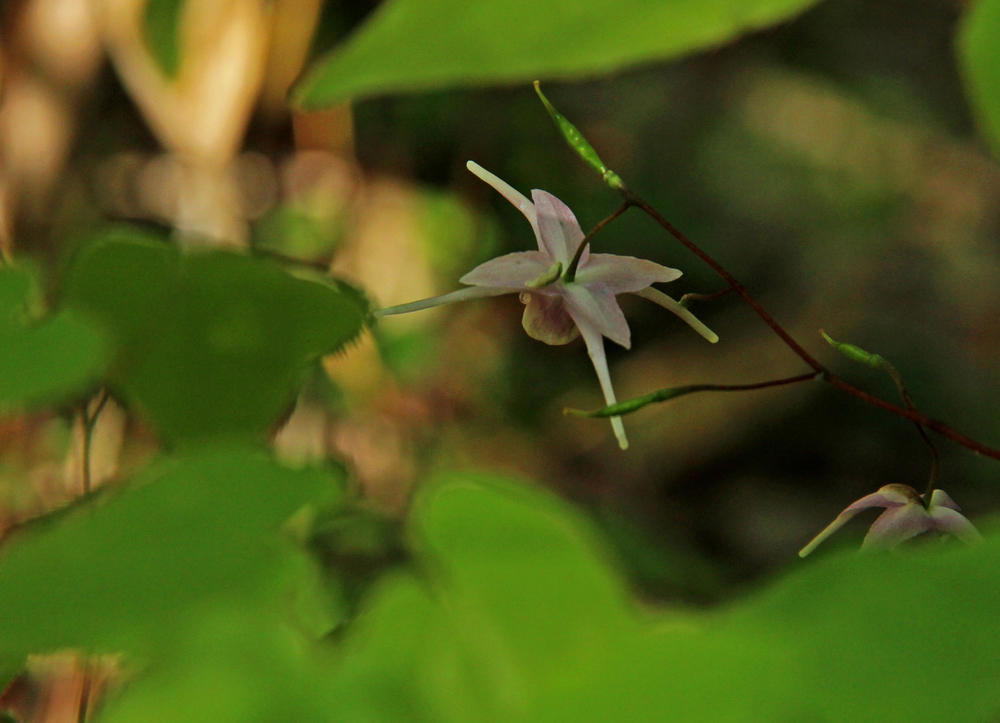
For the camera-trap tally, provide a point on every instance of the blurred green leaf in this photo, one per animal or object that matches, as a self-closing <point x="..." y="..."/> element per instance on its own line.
<point x="859" y="625"/>
<point x="132" y="571"/>
<point x="979" y="51"/>
<point x="528" y="559"/>
<point x="292" y="232"/>
<point x="415" y="45"/>
<point x="213" y="343"/>
<point x="522" y="618"/>
<point x="42" y="361"/>
<point x="233" y="668"/>
<point x="517" y="615"/>
<point x="161" y="23"/>
<point x="530" y="589"/>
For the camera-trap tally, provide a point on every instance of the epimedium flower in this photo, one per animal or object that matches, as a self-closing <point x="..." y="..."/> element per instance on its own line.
<point x="567" y="291"/>
<point x="905" y="517"/>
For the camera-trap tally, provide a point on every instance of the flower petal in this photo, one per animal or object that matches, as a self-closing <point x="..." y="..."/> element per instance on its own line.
<point x="595" y="348"/>
<point x="471" y="292"/>
<point x="597" y="308"/>
<point x="560" y="233"/>
<point x="621" y="274"/>
<point x="955" y="523"/>
<point x="888" y="496"/>
<point x="510" y="271"/>
<point x="897" y="525"/>
<point x="658" y="297"/>
<point x="940" y="498"/>
<point x="508" y="192"/>
<point x="546" y="319"/>
<point x="894" y="495"/>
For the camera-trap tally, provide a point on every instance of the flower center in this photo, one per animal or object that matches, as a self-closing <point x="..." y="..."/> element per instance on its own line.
<point x="549" y="277"/>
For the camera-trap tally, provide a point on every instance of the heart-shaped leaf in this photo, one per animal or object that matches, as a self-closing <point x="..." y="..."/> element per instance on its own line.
<point x="42" y="360"/>
<point x="212" y="342"/>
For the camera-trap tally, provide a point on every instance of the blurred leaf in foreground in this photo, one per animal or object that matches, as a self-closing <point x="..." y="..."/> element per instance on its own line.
<point x="515" y="615"/>
<point x="524" y="620"/>
<point x="134" y="570"/>
<point x="979" y="51"/>
<point x="416" y="45"/>
<point x="41" y="361"/>
<point x="212" y="343"/>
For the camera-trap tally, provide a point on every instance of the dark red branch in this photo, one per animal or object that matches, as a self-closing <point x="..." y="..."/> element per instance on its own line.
<point x="906" y="413"/>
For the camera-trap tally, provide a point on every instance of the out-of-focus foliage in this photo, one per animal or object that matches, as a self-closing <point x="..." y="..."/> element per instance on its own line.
<point x="518" y="615"/>
<point x="979" y="46"/>
<point x="195" y="535"/>
<point x="42" y="359"/>
<point x="410" y="45"/>
<point x="211" y="343"/>
<point x="162" y="20"/>
<point x="526" y="620"/>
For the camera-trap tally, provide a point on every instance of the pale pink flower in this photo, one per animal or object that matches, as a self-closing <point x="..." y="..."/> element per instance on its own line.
<point x="905" y="517"/>
<point x="557" y="310"/>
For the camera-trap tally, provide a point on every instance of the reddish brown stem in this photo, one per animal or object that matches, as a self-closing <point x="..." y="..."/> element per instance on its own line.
<point x="912" y="414"/>
<point x="735" y="285"/>
<point x="570" y="274"/>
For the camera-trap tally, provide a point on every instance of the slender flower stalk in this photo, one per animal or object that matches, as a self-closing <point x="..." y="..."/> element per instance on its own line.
<point x="567" y="291"/>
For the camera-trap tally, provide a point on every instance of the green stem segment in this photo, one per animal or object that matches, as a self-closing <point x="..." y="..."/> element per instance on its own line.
<point x="664" y="395"/>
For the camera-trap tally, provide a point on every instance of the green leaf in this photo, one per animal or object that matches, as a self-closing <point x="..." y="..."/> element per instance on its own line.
<point x="416" y="45"/>
<point x="532" y="589"/>
<point x="161" y="23"/>
<point x="524" y="618"/>
<point x="135" y="570"/>
<point x="521" y="617"/>
<point x="236" y="668"/>
<point x="42" y="361"/>
<point x="979" y="53"/>
<point x="212" y="343"/>
<point x="864" y="626"/>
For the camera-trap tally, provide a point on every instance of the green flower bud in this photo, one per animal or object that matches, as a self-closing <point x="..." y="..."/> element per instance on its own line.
<point x="580" y="144"/>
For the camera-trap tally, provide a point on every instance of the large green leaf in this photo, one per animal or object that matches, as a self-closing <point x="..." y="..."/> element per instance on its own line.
<point x="212" y="343"/>
<point x="524" y="619"/>
<point x="412" y="45"/>
<point x="136" y="571"/>
<point x="235" y="668"/>
<point x="42" y="360"/>
<point x="863" y="628"/>
<point x="979" y="51"/>
<point x="517" y="614"/>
